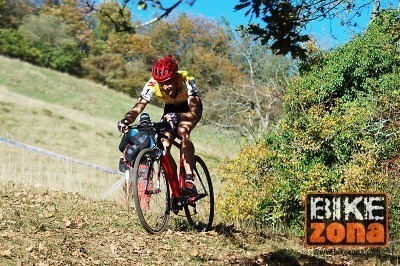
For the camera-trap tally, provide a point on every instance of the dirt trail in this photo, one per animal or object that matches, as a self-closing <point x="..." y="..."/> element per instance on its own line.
<point x="45" y="227"/>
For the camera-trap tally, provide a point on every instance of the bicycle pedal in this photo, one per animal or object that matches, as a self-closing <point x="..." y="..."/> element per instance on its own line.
<point x="177" y="205"/>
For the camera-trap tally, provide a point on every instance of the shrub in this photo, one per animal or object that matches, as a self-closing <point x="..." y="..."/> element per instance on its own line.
<point x="117" y="73"/>
<point x="340" y="131"/>
<point x="14" y="44"/>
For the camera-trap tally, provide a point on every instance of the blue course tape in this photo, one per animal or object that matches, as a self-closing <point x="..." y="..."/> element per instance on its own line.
<point x="56" y="155"/>
<point x="69" y="159"/>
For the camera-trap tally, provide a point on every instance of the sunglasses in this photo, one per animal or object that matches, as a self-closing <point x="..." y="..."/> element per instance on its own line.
<point x="165" y="83"/>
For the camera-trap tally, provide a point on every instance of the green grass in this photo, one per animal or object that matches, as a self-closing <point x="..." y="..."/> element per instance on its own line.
<point x="59" y="110"/>
<point x="77" y="118"/>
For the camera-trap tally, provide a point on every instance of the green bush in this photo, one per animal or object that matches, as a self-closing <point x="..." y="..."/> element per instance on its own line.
<point x="57" y="47"/>
<point x="117" y="73"/>
<point x="67" y="59"/>
<point x="340" y="131"/>
<point x="44" y="41"/>
<point x="14" y="44"/>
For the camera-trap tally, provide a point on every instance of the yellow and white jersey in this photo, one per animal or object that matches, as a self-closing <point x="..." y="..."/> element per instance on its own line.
<point x="186" y="87"/>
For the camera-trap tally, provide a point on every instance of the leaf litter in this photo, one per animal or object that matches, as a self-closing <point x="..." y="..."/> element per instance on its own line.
<point x="44" y="227"/>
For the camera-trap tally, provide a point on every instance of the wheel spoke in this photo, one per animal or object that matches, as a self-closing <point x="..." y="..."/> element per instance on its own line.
<point x="201" y="215"/>
<point x="152" y="208"/>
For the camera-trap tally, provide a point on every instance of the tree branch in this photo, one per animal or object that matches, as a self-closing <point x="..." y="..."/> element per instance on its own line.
<point x="166" y="13"/>
<point x="126" y="26"/>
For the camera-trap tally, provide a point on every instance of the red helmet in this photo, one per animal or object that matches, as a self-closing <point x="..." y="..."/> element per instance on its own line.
<point x="164" y="69"/>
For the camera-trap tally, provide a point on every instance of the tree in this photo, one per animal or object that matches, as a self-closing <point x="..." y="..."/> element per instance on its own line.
<point x="115" y="72"/>
<point x="200" y="45"/>
<point x="283" y="21"/>
<point x="117" y="58"/>
<point x="12" y="12"/>
<point x="52" y="37"/>
<point x="119" y="19"/>
<point x="13" y="43"/>
<point x="73" y="14"/>
<point x="2" y="7"/>
<point x="340" y="132"/>
<point x="253" y="104"/>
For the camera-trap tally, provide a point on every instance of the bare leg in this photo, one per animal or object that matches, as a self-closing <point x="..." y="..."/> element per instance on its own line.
<point x="187" y="147"/>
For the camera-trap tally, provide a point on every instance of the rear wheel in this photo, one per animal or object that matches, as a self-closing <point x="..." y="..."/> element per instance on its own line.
<point x="150" y="192"/>
<point x="201" y="213"/>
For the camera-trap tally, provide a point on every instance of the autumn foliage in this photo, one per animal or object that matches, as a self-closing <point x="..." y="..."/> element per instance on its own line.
<point x="339" y="128"/>
<point x="66" y="37"/>
<point x="339" y="133"/>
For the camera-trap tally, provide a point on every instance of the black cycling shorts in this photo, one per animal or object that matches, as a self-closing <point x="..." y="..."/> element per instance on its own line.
<point x="178" y="108"/>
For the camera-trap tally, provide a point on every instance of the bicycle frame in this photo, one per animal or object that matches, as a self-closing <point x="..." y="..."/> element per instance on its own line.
<point x="176" y="182"/>
<point x="161" y="191"/>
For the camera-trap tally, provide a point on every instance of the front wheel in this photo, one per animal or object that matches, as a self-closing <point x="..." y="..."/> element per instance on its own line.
<point x="150" y="192"/>
<point x="200" y="214"/>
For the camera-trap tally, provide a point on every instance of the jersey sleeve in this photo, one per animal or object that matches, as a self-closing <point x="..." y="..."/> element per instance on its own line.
<point x="148" y="90"/>
<point x="191" y="87"/>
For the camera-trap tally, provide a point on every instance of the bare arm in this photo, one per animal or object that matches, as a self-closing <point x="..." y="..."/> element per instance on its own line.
<point x="195" y="110"/>
<point x="135" y="111"/>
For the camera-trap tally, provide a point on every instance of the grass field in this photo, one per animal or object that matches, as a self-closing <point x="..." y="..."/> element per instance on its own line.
<point x="75" y="118"/>
<point x="51" y="213"/>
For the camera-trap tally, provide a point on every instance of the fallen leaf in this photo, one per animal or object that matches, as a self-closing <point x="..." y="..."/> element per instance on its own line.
<point x="76" y="253"/>
<point x="194" y="253"/>
<point x="48" y="214"/>
<point x="212" y="233"/>
<point x="68" y="223"/>
<point x="51" y="208"/>
<point x="113" y="248"/>
<point x="5" y="253"/>
<point x="30" y="248"/>
<point x="41" y="246"/>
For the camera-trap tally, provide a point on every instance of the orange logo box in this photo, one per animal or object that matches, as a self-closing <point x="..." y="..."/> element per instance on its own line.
<point x="346" y="219"/>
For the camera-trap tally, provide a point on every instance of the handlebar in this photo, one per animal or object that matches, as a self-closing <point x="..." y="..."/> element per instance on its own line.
<point x="156" y="125"/>
<point x="162" y="125"/>
<point x="159" y="126"/>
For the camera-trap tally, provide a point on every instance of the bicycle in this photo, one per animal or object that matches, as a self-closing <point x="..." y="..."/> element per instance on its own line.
<point x="155" y="188"/>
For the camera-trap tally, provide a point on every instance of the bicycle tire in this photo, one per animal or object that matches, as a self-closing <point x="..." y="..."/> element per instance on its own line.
<point x="151" y="209"/>
<point x="203" y="219"/>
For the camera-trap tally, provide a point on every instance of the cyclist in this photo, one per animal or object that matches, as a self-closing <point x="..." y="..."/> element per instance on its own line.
<point x="183" y="108"/>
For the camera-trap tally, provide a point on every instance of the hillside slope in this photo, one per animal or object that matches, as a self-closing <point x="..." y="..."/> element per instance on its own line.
<point x="46" y="220"/>
<point x="75" y="118"/>
<point x="64" y="113"/>
<point x="45" y="227"/>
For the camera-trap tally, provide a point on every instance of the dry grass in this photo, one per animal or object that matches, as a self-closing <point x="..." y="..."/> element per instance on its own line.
<point x="32" y="169"/>
<point x="77" y="118"/>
